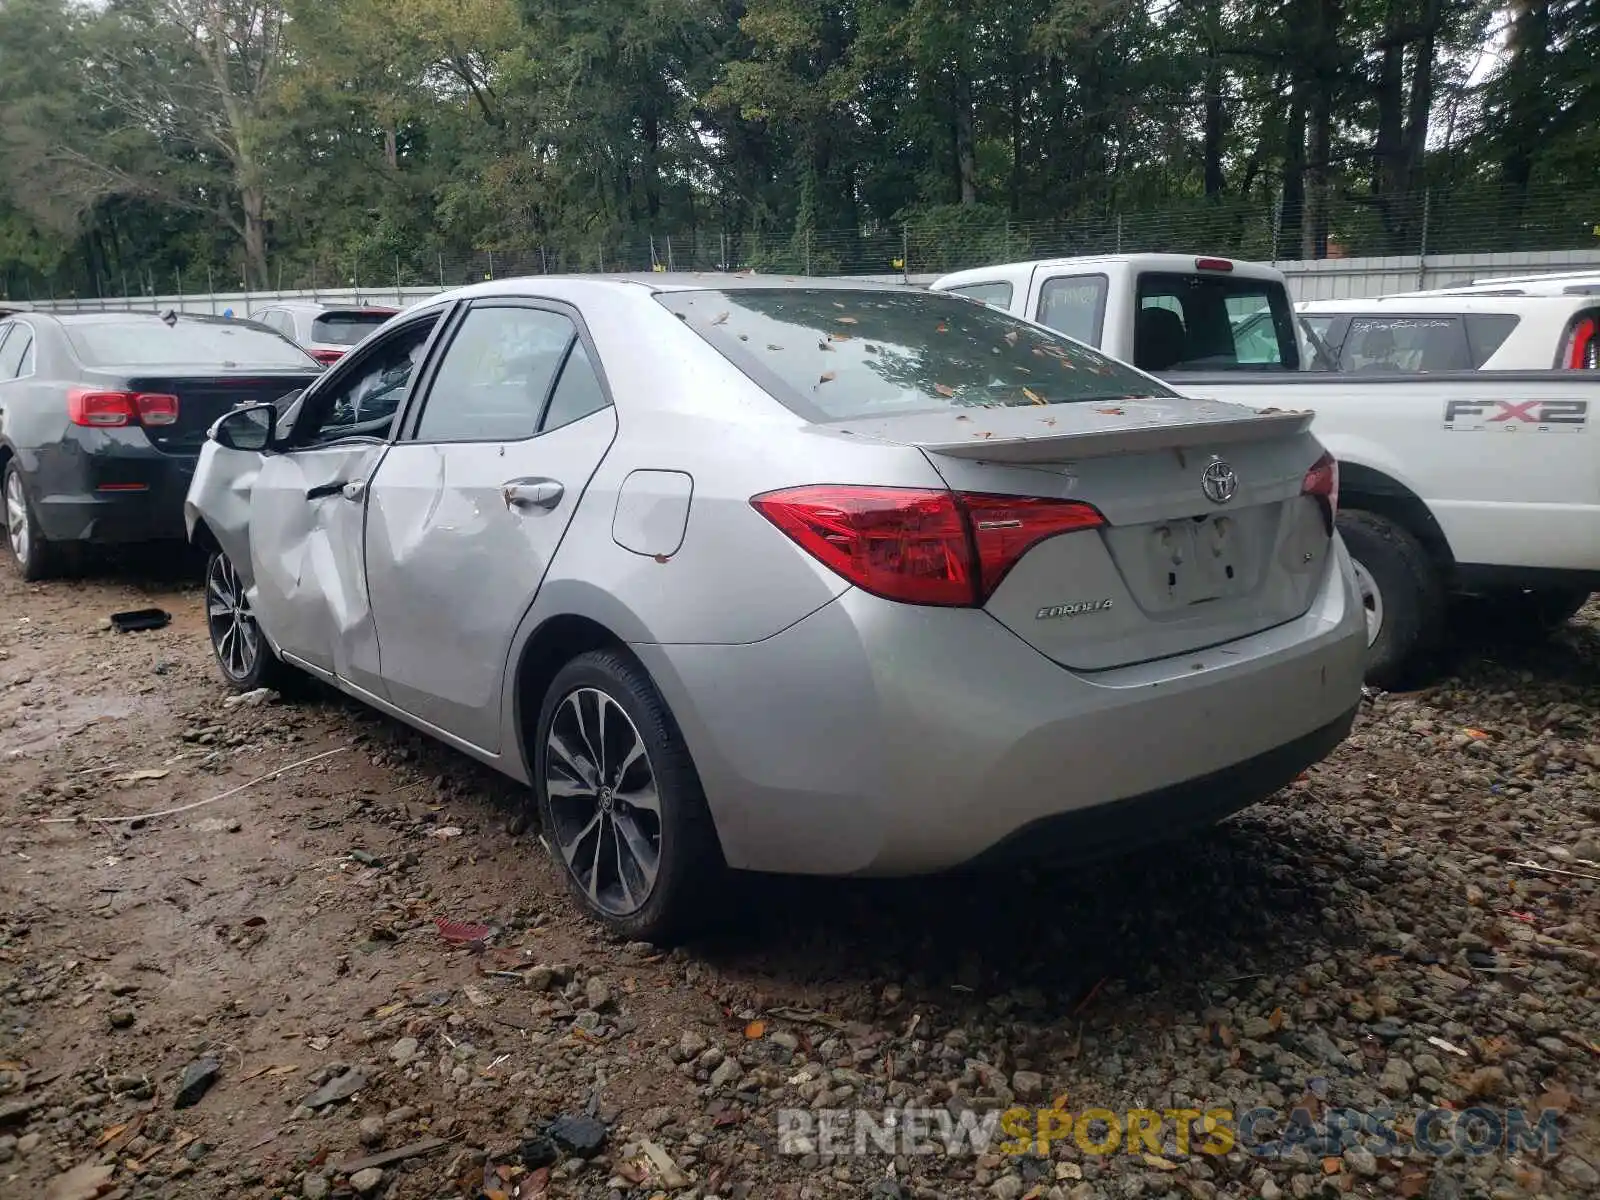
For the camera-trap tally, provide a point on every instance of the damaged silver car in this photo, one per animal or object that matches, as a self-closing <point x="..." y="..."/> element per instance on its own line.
<point x="789" y="576"/>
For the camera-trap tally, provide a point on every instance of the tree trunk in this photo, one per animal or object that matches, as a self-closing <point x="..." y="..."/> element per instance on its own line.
<point x="391" y="148"/>
<point x="1527" y="80"/>
<point x="254" y="203"/>
<point x="1016" y="141"/>
<point x="966" y="147"/>
<point x="1215" y="129"/>
<point x="1293" y="204"/>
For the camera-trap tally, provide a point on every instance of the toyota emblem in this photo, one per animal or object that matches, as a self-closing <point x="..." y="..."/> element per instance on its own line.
<point x="1218" y="482"/>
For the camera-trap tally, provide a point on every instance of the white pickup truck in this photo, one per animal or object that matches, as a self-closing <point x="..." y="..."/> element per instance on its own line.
<point x="1475" y="483"/>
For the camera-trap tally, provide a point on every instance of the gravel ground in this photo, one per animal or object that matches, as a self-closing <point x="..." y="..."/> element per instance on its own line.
<point x="250" y="997"/>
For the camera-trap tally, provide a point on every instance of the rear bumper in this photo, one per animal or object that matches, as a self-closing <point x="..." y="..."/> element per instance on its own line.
<point x="884" y="739"/>
<point x="90" y="496"/>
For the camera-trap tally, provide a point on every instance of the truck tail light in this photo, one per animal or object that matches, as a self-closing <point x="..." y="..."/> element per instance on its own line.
<point x="1582" y="350"/>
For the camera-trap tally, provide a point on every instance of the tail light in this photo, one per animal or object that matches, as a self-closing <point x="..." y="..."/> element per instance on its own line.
<point x="920" y="546"/>
<point x="1212" y="264"/>
<point x="1322" y="481"/>
<point x="1582" y="350"/>
<point x="326" y="357"/>
<point x="110" y="410"/>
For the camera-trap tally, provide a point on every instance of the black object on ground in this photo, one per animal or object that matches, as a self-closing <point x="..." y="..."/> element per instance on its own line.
<point x="578" y="1133"/>
<point x="140" y="618"/>
<point x="197" y="1079"/>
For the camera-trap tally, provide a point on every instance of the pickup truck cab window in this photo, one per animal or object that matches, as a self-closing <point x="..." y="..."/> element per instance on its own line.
<point x="1074" y="305"/>
<point x="1201" y="322"/>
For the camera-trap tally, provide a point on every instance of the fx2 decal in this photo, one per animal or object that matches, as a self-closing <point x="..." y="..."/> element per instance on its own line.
<point x="1541" y="416"/>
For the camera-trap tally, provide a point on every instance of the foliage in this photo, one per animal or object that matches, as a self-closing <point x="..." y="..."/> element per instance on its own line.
<point x="214" y="142"/>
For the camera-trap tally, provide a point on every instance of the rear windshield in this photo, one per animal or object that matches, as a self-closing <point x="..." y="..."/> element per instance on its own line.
<point x="832" y="354"/>
<point x="184" y="344"/>
<point x="1205" y="322"/>
<point x="346" y="328"/>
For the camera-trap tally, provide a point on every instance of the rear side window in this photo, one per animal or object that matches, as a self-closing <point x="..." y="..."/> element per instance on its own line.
<point x="153" y="342"/>
<point x="1486" y="333"/>
<point x="833" y="354"/>
<point x="346" y="328"/>
<point x="495" y="376"/>
<point x="578" y="392"/>
<point x="1213" y="323"/>
<point x="15" y="342"/>
<point x="997" y="293"/>
<point x="1376" y="345"/>
<point x="1074" y="305"/>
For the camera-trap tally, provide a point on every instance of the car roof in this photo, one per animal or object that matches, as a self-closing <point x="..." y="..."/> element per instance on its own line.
<point x="575" y="288"/>
<point x="319" y="306"/>
<point x="1449" y="304"/>
<point x="1240" y="269"/>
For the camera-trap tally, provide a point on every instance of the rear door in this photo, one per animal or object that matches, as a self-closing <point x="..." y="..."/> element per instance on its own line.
<point x="468" y="508"/>
<point x="308" y="507"/>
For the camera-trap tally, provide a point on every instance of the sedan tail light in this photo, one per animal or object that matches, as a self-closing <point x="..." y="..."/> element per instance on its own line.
<point x="1322" y="481"/>
<point x="916" y="545"/>
<point x="111" y="410"/>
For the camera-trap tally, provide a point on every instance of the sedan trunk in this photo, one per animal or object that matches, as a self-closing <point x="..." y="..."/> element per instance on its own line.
<point x="204" y="398"/>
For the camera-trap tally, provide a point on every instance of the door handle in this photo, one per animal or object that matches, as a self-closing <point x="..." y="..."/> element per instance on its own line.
<point x="532" y="493"/>
<point x="354" y="490"/>
<point x="325" y="489"/>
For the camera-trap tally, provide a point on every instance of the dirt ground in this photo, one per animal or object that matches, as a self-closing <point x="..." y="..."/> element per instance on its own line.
<point x="1417" y="923"/>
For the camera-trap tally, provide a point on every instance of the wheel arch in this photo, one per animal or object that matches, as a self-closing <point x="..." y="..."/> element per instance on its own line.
<point x="1374" y="491"/>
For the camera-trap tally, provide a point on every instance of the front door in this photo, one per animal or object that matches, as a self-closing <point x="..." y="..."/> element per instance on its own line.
<point x="469" y="505"/>
<point x="308" y="507"/>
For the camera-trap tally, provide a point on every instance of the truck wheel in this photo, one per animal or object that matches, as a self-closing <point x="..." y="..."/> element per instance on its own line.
<point x="1402" y="591"/>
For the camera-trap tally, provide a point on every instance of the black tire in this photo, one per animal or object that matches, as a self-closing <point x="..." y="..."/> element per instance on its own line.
<point x="244" y="656"/>
<point x="37" y="559"/>
<point x="1411" y="590"/>
<point x="688" y="859"/>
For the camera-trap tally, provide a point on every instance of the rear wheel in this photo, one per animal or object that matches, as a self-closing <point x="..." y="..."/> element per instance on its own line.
<point x="35" y="557"/>
<point x="1401" y="591"/>
<point x="246" y="660"/>
<point x="620" y="802"/>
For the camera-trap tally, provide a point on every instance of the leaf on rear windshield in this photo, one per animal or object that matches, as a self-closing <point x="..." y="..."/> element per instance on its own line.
<point x="720" y="319"/>
<point x="941" y="327"/>
<point x="870" y="348"/>
<point x="839" y="337"/>
<point x="836" y="304"/>
<point x="824" y="346"/>
<point x="845" y="320"/>
<point x="1011" y="338"/>
<point x="827" y="377"/>
<point x="943" y="390"/>
<point x="1034" y="396"/>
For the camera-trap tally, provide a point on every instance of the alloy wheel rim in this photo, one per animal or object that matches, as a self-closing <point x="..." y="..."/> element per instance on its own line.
<point x="234" y="635"/>
<point x="605" y="807"/>
<point x="17" y="518"/>
<point x="1371" y="601"/>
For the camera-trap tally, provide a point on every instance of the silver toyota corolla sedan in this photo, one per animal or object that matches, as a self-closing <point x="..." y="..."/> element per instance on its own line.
<point x="789" y="576"/>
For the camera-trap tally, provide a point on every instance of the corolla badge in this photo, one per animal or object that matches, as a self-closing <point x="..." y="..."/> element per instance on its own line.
<point x="1219" y="482"/>
<point x="1076" y="608"/>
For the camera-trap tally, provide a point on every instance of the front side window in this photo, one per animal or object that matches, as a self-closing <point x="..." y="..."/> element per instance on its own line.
<point x="1376" y="345"/>
<point x="1074" y="305"/>
<point x="834" y="353"/>
<point x="496" y="375"/>
<point x="361" y="400"/>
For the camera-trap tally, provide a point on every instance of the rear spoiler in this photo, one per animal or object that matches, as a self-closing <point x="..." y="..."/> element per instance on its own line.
<point x="1071" y="432"/>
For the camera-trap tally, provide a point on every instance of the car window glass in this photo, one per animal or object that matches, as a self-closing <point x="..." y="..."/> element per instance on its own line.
<point x="578" y="392"/>
<point x="1486" y="333"/>
<point x="346" y="328"/>
<point x="997" y="294"/>
<point x="211" y="342"/>
<point x="837" y="354"/>
<point x="12" y="350"/>
<point x="25" y="367"/>
<point x="368" y="393"/>
<point x="495" y="375"/>
<point x="1075" y="305"/>
<point x="1212" y="321"/>
<point x="1406" y="344"/>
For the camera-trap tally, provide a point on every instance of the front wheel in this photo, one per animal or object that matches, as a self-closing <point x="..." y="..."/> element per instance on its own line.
<point x="1401" y="592"/>
<point x="620" y="802"/>
<point x="246" y="660"/>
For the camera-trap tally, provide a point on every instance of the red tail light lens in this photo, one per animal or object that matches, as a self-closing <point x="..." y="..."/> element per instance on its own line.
<point x="111" y="410"/>
<point x="1583" y="346"/>
<point x="1322" y="481"/>
<point x="85" y="406"/>
<point x="156" y="409"/>
<point x="1212" y="264"/>
<point x="920" y="546"/>
<point x="327" y="356"/>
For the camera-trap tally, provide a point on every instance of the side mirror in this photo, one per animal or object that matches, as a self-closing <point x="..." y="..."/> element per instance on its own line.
<point x="250" y="428"/>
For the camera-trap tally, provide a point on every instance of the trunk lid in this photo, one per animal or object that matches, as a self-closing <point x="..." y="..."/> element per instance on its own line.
<point x="1176" y="568"/>
<point x="205" y="396"/>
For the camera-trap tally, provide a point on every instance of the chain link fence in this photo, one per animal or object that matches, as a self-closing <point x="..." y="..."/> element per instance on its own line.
<point x="1473" y="218"/>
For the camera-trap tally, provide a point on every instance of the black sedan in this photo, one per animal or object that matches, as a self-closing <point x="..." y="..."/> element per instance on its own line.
<point x="102" y="416"/>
